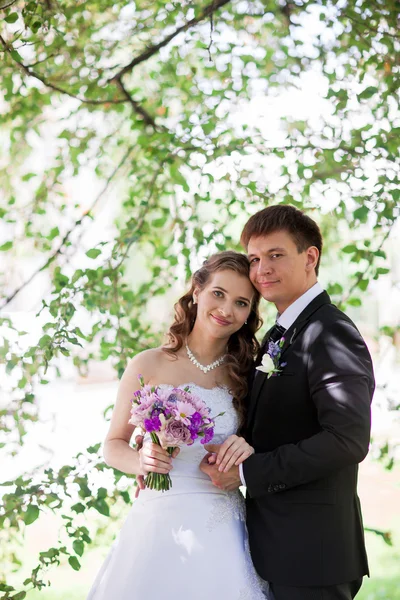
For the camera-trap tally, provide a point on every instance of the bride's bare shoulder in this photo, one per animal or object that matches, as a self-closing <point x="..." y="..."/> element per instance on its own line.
<point x="148" y="361"/>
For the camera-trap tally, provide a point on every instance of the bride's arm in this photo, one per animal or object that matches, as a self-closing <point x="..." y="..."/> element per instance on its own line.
<point x="117" y="451"/>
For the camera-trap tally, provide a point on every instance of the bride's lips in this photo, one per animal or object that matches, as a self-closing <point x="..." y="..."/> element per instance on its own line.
<point x="220" y="321"/>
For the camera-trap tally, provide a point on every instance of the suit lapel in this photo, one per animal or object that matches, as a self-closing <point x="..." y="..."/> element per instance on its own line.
<point x="290" y="335"/>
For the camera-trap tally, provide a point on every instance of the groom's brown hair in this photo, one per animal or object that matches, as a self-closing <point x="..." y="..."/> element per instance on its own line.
<point x="282" y="217"/>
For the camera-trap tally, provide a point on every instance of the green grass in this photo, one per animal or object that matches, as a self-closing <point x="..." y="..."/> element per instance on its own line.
<point x="384" y="583"/>
<point x="74" y="594"/>
<point x="372" y="589"/>
<point x="380" y="589"/>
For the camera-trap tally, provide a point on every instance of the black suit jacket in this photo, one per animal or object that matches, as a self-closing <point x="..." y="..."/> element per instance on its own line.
<point x="310" y="427"/>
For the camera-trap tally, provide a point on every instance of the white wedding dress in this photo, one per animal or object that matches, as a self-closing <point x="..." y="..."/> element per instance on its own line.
<point x="189" y="542"/>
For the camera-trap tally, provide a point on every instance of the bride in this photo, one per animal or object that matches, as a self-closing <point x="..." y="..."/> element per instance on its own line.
<point x="189" y="542"/>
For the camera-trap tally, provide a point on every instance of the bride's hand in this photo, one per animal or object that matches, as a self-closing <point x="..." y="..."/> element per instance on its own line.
<point x="233" y="451"/>
<point x="154" y="458"/>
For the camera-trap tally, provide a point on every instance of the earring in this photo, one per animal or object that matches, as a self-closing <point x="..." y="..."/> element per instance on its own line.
<point x="245" y="322"/>
<point x="194" y="301"/>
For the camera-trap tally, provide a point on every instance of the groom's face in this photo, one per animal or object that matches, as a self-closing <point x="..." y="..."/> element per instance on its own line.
<point x="278" y="270"/>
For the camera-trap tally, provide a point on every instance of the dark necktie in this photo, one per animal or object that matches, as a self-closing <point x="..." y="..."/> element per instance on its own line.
<point x="277" y="332"/>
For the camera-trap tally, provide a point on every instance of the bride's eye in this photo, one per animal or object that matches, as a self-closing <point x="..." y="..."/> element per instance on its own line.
<point x="216" y="292"/>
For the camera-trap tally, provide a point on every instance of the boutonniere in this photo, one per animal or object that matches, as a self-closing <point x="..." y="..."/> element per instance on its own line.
<point x="270" y="361"/>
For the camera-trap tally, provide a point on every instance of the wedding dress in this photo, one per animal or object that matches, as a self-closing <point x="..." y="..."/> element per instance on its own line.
<point x="189" y="542"/>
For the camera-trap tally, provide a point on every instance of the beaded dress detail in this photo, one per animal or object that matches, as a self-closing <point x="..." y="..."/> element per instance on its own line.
<point x="187" y="542"/>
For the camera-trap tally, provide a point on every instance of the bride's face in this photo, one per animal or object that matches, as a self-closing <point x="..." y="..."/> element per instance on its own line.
<point x="224" y="304"/>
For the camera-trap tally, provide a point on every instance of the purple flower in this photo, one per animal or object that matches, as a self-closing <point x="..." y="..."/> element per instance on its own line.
<point x="194" y="434"/>
<point x="273" y="349"/>
<point x="153" y="424"/>
<point x="208" y="435"/>
<point x="137" y="394"/>
<point x="173" y="398"/>
<point x="158" y="409"/>
<point x="196" y="420"/>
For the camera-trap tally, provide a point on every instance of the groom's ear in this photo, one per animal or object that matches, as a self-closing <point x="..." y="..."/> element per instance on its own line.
<point x="312" y="254"/>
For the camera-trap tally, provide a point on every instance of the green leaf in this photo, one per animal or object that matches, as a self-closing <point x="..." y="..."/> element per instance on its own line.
<point x="31" y="514"/>
<point x="126" y="497"/>
<point x="354" y="302"/>
<point x="78" y="547"/>
<point x="94" y="449"/>
<point x="36" y="26"/>
<point x="349" y="249"/>
<point x="44" y="341"/>
<point x="53" y="233"/>
<point x="19" y="596"/>
<point x="102" y="493"/>
<point x="102" y="506"/>
<point x="28" y="176"/>
<point x="93" y="253"/>
<point x="6" y="246"/>
<point x="77" y="275"/>
<point x="159" y="222"/>
<point x="74" y="562"/>
<point x="368" y="93"/>
<point x="361" y="214"/>
<point x="363" y="284"/>
<point x="179" y="178"/>
<point x="78" y="508"/>
<point x="12" y="17"/>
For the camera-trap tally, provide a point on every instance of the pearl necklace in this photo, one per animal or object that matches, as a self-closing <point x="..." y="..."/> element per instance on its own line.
<point x="205" y="368"/>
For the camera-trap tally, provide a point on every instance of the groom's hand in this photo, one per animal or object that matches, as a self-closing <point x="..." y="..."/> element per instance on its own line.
<point x="234" y="451"/>
<point x="224" y="481"/>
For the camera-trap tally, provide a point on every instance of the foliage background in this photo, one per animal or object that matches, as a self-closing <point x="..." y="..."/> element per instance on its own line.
<point x="136" y="139"/>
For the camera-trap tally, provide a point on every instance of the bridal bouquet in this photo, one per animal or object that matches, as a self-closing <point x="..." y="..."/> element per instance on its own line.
<point x="172" y="418"/>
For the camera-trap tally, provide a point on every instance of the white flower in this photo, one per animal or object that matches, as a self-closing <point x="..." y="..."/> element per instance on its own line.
<point x="267" y="365"/>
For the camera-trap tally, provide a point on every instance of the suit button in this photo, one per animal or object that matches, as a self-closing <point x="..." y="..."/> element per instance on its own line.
<point x="282" y="486"/>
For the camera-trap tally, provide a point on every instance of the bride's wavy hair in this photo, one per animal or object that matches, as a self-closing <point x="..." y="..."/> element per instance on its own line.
<point x="242" y="345"/>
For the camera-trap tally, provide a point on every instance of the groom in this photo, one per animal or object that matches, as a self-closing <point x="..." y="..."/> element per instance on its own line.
<point x="309" y="423"/>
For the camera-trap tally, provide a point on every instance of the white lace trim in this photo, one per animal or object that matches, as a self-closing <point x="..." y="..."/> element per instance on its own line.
<point x="226" y="506"/>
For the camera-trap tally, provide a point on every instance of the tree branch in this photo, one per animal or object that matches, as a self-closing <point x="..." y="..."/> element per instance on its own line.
<point x="365" y="272"/>
<point x="207" y="12"/>
<point x="135" y="105"/>
<point x="66" y="237"/>
<point x="4" y="6"/>
<point x="373" y="29"/>
<point x="54" y="87"/>
<point x="141" y="220"/>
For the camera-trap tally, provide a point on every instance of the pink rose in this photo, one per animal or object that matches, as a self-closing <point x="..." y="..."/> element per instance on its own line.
<point x="176" y="434"/>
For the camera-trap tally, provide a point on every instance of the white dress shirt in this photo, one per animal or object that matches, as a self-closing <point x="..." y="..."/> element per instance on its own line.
<point x="287" y="318"/>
